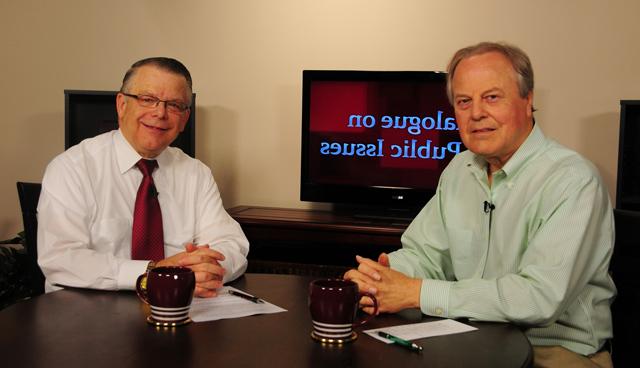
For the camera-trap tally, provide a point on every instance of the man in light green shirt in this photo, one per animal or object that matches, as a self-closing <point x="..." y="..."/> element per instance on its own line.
<point x="520" y="229"/>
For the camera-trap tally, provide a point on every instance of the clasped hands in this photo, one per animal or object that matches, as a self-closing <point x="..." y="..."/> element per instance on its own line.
<point x="394" y="290"/>
<point x="205" y="263"/>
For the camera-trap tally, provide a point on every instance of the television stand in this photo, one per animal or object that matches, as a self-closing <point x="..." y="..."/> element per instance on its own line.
<point x="379" y="216"/>
<point x="313" y="242"/>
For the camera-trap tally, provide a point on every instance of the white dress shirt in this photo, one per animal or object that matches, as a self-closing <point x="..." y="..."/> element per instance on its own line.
<point x="85" y="214"/>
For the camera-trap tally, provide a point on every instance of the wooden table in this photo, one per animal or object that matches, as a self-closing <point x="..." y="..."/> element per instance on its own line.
<point x="87" y="328"/>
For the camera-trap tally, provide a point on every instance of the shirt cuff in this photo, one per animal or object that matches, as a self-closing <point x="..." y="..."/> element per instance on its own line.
<point x="129" y="272"/>
<point x="434" y="297"/>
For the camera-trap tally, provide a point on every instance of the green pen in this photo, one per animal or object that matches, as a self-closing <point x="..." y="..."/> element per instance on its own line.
<point x="401" y="342"/>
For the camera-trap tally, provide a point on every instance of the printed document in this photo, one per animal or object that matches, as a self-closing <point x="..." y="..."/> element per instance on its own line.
<point x="226" y="305"/>
<point x="421" y="330"/>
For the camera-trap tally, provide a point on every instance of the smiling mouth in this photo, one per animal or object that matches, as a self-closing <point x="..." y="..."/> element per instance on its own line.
<point x="155" y="128"/>
<point x="483" y="130"/>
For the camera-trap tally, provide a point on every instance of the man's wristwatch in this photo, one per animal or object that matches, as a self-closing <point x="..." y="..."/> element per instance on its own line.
<point x="142" y="279"/>
<point x="150" y="266"/>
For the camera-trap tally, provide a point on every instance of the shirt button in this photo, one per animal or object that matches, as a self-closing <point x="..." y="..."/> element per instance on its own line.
<point x="439" y="311"/>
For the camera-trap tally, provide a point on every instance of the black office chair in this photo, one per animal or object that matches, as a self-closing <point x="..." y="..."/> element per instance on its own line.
<point x="624" y="270"/>
<point x="29" y="194"/>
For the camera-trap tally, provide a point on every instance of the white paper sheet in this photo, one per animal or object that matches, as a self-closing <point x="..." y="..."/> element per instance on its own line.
<point x="226" y="305"/>
<point x="421" y="330"/>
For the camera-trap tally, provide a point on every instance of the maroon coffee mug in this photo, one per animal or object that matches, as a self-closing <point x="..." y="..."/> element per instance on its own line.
<point x="168" y="291"/>
<point x="333" y="304"/>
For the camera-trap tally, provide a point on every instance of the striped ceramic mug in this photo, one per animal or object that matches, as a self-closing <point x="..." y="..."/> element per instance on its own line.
<point x="333" y="304"/>
<point x="168" y="291"/>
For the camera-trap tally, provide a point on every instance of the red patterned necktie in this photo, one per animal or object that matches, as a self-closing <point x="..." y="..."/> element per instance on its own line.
<point x="147" y="239"/>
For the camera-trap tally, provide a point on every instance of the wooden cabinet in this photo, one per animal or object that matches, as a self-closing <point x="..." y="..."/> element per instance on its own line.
<point x="312" y="242"/>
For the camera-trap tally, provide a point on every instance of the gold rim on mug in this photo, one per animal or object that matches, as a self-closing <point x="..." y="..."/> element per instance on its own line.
<point x="157" y="323"/>
<point x="325" y="340"/>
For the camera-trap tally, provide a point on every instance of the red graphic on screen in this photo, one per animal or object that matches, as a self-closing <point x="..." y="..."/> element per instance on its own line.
<point x="332" y="104"/>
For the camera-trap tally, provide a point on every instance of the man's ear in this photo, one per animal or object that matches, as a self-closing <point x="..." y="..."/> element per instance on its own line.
<point x="530" y="108"/>
<point x="185" y="119"/>
<point x="120" y="104"/>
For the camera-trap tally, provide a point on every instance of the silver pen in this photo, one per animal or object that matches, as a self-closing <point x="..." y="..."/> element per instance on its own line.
<point x="249" y="297"/>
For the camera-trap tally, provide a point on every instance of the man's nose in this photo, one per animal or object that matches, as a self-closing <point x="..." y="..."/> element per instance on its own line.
<point x="160" y="109"/>
<point x="477" y="111"/>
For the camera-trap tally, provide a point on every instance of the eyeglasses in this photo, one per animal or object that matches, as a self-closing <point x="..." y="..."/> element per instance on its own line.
<point x="151" y="101"/>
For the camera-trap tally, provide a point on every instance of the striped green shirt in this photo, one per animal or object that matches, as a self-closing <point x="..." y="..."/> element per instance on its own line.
<point x="540" y="259"/>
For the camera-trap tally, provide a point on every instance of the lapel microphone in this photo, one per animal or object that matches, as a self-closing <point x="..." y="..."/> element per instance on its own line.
<point x="488" y="207"/>
<point x="154" y="192"/>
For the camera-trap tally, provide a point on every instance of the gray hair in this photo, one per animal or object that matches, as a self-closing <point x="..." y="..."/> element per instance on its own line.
<point x="518" y="59"/>
<point x="164" y="63"/>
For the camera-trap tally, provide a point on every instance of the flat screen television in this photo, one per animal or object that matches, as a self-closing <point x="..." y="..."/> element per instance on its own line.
<point x="89" y="113"/>
<point x="375" y="140"/>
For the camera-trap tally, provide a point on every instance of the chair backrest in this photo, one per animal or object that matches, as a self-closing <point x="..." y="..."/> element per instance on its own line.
<point x="624" y="270"/>
<point x="29" y="194"/>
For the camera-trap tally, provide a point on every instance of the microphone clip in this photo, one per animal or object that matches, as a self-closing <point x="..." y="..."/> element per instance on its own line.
<point x="153" y="191"/>
<point x="488" y="207"/>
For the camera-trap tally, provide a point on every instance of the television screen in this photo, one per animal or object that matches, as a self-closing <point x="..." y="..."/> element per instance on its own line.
<point x="379" y="138"/>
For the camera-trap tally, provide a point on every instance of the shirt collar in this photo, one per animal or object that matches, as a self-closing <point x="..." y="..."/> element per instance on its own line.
<point x="127" y="157"/>
<point x="527" y="149"/>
